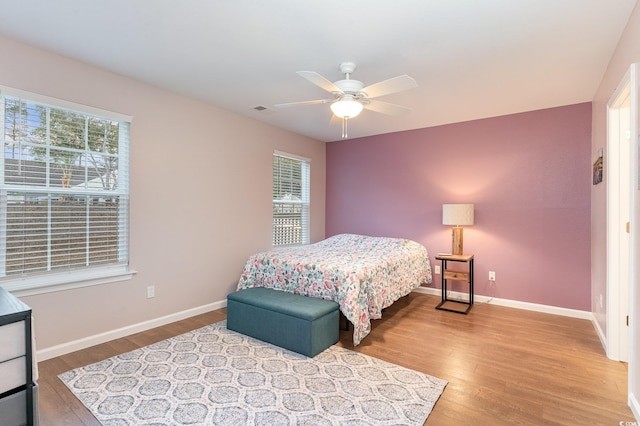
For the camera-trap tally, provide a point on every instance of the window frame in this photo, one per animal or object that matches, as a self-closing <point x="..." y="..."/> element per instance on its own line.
<point x="304" y="202"/>
<point x="56" y="280"/>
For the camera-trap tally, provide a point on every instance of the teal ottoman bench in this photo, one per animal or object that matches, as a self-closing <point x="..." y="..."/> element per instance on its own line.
<point x="301" y="324"/>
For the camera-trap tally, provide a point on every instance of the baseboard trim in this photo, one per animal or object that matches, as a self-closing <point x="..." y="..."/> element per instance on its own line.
<point x="574" y="313"/>
<point x="601" y="335"/>
<point x="635" y="407"/>
<point x="76" y="345"/>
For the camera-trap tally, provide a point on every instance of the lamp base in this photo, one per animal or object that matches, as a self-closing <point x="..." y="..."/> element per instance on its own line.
<point x="456" y="240"/>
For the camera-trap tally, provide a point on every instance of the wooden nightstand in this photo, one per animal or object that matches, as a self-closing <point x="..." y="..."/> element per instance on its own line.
<point x="455" y="275"/>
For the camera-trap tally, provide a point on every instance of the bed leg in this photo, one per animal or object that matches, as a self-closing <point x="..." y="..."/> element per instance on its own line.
<point x="346" y="321"/>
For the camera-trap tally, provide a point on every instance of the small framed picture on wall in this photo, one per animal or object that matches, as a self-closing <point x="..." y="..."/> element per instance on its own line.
<point x="598" y="166"/>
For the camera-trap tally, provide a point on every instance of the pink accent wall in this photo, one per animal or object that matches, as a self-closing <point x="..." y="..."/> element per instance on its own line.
<point x="528" y="174"/>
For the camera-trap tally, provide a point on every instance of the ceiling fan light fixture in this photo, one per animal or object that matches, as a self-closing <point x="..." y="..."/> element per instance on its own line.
<point x="346" y="107"/>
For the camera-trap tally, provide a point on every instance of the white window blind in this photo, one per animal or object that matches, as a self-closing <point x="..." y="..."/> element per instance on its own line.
<point x="290" y="199"/>
<point x="64" y="189"/>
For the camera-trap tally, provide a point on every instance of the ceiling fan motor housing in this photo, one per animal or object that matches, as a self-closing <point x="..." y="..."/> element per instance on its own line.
<point x="349" y="86"/>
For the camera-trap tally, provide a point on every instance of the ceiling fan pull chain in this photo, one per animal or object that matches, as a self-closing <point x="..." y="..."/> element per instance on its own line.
<point x="344" y="127"/>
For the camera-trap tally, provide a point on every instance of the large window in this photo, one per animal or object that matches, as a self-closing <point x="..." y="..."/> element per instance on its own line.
<point x="290" y="199"/>
<point x="64" y="192"/>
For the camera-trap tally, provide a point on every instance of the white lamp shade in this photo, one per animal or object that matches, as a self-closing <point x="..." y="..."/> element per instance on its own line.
<point x="346" y="107"/>
<point x="457" y="214"/>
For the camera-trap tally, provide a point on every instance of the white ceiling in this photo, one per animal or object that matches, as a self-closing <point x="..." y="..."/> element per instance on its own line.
<point x="471" y="58"/>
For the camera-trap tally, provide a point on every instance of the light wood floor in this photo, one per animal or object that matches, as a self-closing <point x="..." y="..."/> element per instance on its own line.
<point x="504" y="366"/>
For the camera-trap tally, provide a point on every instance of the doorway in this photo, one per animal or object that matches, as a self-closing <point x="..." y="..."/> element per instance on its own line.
<point x="618" y="166"/>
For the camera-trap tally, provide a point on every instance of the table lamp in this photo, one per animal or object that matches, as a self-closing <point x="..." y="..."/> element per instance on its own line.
<point x="457" y="215"/>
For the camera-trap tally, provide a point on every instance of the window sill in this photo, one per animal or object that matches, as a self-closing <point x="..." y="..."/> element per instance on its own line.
<point x="66" y="281"/>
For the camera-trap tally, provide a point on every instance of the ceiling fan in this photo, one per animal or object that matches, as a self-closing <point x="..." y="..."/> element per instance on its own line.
<point x="350" y="97"/>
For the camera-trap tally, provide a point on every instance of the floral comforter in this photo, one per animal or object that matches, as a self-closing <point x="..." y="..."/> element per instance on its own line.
<point x="362" y="274"/>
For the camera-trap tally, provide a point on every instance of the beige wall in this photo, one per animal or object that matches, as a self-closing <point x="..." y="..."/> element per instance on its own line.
<point x="627" y="53"/>
<point x="183" y="153"/>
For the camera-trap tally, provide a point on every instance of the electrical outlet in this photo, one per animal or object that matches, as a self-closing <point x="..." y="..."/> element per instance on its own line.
<point x="151" y="292"/>
<point x="436" y="269"/>
<point x="492" y="276"/>
<point x="601" y="304"/>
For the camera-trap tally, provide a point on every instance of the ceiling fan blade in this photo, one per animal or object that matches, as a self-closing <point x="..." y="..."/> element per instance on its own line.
<point x="387" y="108"/>
<point x="320" y="81"/>
<point x="392" y="85"/>
<point x="290" y="104"/>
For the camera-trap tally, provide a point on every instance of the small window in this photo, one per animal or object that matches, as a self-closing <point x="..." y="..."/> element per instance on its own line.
<point x="64" y="191"/>
<point x="290" y="199"/>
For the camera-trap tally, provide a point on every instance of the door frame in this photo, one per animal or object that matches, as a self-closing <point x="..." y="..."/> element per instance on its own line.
<point x="618" y="167"/>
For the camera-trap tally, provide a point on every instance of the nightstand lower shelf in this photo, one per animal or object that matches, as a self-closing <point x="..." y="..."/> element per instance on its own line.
<point x="441" y="306"/>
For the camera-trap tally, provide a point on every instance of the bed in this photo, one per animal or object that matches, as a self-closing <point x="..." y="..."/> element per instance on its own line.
<point x="362" y="274"/>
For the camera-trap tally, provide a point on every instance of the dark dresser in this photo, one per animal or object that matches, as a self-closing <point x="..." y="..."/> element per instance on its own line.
<point x="18" y="390"/>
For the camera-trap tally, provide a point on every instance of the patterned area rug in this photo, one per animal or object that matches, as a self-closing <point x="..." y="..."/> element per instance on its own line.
<point x="214" y="376"/>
